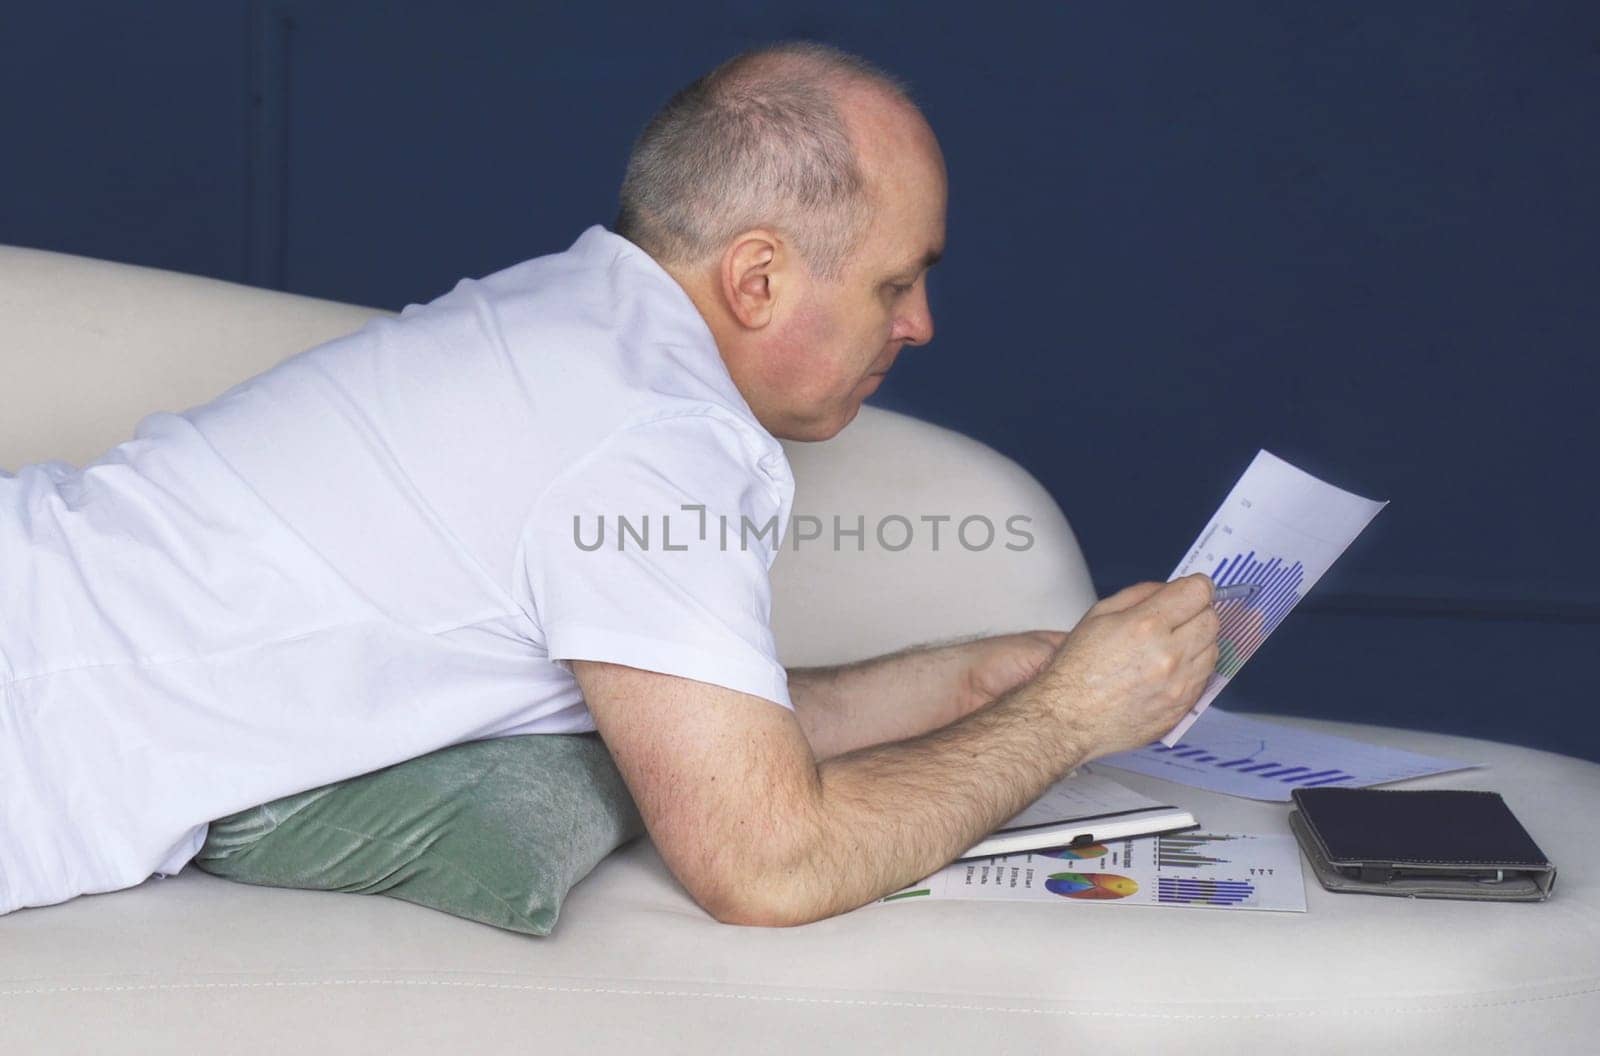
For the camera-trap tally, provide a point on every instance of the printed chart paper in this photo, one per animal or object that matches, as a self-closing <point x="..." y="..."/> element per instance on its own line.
<point x="1280" y="529"/>
<point x="1190" y="870"/>
<point x="1081" y="794"/>
<point x="1241" y="756"/>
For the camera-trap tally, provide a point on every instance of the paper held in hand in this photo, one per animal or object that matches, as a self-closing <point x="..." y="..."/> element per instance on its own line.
<point x="1280" y="529"/>
<point x="1083" y="808"/>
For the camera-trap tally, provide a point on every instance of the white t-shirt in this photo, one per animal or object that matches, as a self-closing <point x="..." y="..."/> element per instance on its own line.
<point x="382" y="546"/>
<point x="436" y="462"/>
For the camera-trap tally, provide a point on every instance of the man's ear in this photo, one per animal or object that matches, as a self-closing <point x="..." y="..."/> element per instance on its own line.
<point x="751" y="277"/>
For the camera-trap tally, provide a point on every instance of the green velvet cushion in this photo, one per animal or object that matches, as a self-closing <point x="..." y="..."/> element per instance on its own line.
<point x="496" y="830"/>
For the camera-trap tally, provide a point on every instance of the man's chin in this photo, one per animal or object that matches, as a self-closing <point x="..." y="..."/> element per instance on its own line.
<point x="821" y="428"/>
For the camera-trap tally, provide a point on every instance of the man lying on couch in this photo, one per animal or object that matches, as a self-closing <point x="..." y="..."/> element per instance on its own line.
<point x="386" y="545"/>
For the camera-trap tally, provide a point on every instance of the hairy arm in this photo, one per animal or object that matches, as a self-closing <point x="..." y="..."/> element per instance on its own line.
<point x="911" y="692"/>
<point x="760" y="832"/>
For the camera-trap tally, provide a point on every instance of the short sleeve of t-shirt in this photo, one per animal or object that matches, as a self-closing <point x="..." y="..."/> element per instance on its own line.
<point x="653" y="551"/>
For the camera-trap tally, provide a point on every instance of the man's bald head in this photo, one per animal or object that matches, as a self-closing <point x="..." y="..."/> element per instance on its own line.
<point x="764" y="140"/>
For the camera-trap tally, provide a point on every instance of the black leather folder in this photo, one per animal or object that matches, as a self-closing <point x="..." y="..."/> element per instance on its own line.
<point x="1435" y="843"/>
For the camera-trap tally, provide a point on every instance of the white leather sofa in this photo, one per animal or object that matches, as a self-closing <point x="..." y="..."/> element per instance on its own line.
<point x="195" y="962"/>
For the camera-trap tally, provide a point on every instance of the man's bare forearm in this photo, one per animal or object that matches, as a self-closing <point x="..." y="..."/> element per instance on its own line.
<point x="889" y="815"/>
<point x="886" y="698"/>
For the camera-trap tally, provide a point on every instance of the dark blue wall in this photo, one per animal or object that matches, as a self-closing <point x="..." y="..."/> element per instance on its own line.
<point x="1363" y="239"/>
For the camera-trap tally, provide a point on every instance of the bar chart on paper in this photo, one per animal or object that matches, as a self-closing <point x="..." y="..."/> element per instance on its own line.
<point x="1278" y="530"/>
<point x="1243" y="756"/>
<point x="1189" y="870"/>
<point x="1246" y="622"/>
<point x="1186" y="851"/>
<point x="1217" y="870"/>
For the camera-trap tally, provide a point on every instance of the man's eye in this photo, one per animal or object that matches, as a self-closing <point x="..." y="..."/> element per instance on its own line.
<point x="900" y="289"/>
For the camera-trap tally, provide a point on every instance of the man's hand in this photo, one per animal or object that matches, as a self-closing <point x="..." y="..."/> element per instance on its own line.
<point x="1135" y="664"/>
<point x="995" y="666"/>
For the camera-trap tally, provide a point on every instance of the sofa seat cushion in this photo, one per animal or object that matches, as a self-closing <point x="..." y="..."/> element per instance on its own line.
<point x="194" y="960"/>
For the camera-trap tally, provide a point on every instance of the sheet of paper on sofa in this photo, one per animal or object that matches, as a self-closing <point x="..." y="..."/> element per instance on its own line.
<point x="1247" y="757"/>
<point x="1279" y="529"/>
<point x="1189" y="870"/>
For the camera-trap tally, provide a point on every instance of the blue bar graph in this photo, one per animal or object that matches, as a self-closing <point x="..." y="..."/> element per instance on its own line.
<point x="1267" y="770"/>
<point x="1203" y="892"/>
<point x="1267" y="760"/>
<point x="1246" y="622"/>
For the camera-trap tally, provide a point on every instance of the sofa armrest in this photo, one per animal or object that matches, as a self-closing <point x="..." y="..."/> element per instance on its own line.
<point x="841" y="596"/>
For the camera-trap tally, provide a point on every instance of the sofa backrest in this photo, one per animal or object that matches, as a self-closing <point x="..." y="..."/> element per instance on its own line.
<point x="88" y="347"/>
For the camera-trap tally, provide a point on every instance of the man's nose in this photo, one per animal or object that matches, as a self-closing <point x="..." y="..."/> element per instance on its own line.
<point x="916" y="325"/>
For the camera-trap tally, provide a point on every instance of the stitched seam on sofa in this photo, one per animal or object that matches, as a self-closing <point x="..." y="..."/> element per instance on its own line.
<point x="788" y="999"/>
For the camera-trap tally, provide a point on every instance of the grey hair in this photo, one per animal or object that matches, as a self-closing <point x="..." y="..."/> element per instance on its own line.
<point x="758" y="141"/>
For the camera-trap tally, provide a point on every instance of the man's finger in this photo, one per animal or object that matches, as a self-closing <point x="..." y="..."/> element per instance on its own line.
<point x="1127" y="597"/>
<point x="1055" y="639"/>
<point x="1200" y="628"/>
<point x="1199" y="636"/>
<point x="1181" y="600"/>
<point x="1190" y="596"/>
